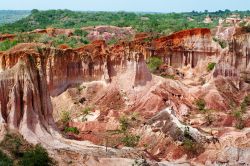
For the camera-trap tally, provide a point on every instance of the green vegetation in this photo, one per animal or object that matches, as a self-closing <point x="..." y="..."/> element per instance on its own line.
<point x="238" y="115"/>
<point x="21" y="153"/>
<point x="201" y="104"/>
<point x="190" y="145"/>
<point x="154" y="63"/>
<point x="71" y="129"/>
<point x="73" y="41"/>
<point x="130" y="140"/>
<point x="85" y="113"/>
<point x="238" y="112"/>
<point x="222" y="43"/>
<point x="140" y="162"/>
<point x="65" y="117"/>
<point x="7" y="44"/>
<point x="10" y="16"/>
<point x="80" y="32"/>
<point x="211" y="66"/>
<point x="209" y="117"/>
<point x="5" y="160"/>
<point x="37" y="156"/>
<point x="142" y="22"/>
<point x="127" y="138"/>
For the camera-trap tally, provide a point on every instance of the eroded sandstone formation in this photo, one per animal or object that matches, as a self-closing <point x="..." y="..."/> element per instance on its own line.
<point x="116" y="80"/>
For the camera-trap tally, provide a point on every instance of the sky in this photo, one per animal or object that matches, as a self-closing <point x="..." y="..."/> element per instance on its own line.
<point x="127" y="5"/>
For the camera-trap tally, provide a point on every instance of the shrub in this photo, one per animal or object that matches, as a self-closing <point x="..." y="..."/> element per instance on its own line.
<point x="245" y="103"/>
<point x="27" y="38"/>
<point x="80" y="32"/>
<point x="124" y="123"/>
<point x="71" y="129"/>
<point x="86" y="112"/>
<point x="140" y="162"/>
<point x="12" y="143"/>
<point x="65" y="116"/>
<point x="201" y="104"/>
<point x="84" y="41"/>
<point x="222" y="43"/>
<point x="112" y="41"/>
<point x="44" y="39"/>
<point x="37" y="156"/>
<point x="5" y="160"/>
<point x="130" y="140"/>
<point x="211" y="66"/>
<point x="209" y="118"/>
<point x="247" y="100"/>
<point x="238" y="115"/>
<point x="72" y="42"/>
<point x="240" y="124"/>
<point x="190" y="145"/>
<point x="154" y="63"/>
<point x="7" y="44"/>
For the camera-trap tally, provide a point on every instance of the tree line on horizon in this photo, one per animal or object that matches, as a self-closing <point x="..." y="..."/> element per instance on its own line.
<point x="163" y="23"/>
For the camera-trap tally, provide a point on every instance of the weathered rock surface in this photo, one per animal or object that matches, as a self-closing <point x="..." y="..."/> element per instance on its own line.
<point x="115" y="79"/>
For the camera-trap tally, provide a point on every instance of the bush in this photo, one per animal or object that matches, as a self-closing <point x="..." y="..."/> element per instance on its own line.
<point x="238" y="115"/>
<point x="130" y="140"/>
<point x="65" y="116"/>
<point x="84" y="41"/>
<point x="85" y="113"/>
<point x="5" y="160"/>
<point x="209" y="118"/>
<point x="190" y="145"/>
<point x="12" y="142"/>
<point x="36" y="157"/>
<point x="247" y="100"/>
<point x="201" y="104"/>
<point x="154" y="63"/>
<point x="71" y="129"/>
<point x="80" y="32"/>
<point x="44" y="39"/>
<point x="112" y="41"/>
<point x="7" y="44"/>
<point x="211" y="66"/>
<point x="124" y="124"/>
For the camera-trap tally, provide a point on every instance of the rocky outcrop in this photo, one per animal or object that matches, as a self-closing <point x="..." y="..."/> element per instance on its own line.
<point x="235" y="60"/>
<point x="117" y="81"/>
<point x="25" y="100"/>
<point x="186" y="47"/>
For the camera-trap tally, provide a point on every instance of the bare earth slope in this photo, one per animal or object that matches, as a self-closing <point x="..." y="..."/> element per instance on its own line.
<point x="38" y="82"/>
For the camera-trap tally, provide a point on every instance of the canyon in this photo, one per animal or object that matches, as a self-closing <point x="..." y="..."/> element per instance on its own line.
<point x="38" y="83"/>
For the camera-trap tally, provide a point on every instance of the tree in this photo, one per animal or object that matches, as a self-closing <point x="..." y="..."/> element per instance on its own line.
<point x="34" y="11"/>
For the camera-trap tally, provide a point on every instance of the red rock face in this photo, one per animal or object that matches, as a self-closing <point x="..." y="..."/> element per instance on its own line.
<point x="185" y="47"/>
<point x="25" y="101"/>
<point x="32" y="73"/>
<point x="7" y="36"/>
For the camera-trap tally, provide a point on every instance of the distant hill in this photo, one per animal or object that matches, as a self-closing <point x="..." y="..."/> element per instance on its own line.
<point x="10" y="16"/>
<point x="156" y="22"/>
